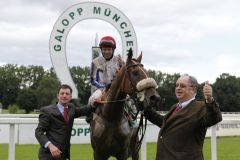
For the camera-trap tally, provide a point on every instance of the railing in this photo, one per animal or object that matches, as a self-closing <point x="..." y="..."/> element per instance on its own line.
<point x="32" y="119"/>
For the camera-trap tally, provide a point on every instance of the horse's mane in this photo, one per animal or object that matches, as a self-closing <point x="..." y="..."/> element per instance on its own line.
<point x="114" y="87"/>
<point x="115" y="81"/>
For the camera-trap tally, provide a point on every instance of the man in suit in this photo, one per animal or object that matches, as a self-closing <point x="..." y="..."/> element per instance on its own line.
<point x="184" y="127"/>
<point x="55" y="125"/>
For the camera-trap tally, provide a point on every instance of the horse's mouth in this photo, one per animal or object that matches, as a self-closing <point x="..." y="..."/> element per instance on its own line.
<point x="154" y="99"/>
<point x="151" y="98"/>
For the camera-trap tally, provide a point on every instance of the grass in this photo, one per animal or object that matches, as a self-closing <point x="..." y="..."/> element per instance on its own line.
<point x="227" y="149"/>
<point x="19" y="111"/>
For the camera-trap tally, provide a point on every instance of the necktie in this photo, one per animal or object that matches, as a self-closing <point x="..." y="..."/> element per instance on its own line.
<point x="178" y="107"/>
<point x="65" y="114"/>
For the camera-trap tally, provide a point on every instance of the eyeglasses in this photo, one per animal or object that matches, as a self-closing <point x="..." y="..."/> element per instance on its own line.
<point x="182" y="85"/>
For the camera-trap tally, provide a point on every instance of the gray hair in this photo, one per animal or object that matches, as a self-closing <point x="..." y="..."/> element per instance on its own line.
<point x="193" y="81"/>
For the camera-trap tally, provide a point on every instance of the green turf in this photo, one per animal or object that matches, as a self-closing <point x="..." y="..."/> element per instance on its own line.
<point x="228" y="148"/>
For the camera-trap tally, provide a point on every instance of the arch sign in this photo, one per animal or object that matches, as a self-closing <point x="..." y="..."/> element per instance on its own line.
<point x="77" y="13"/>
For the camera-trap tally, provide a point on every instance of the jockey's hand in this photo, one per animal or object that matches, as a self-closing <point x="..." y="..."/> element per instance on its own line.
<point x="97" y="101"/>
<point x="94" y="103"/>
<point x="120" y="60"/>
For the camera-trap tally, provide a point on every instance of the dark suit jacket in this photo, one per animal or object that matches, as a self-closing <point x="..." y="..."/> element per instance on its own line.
<point x="52" y="128"/>
<point x="182" y="136"/>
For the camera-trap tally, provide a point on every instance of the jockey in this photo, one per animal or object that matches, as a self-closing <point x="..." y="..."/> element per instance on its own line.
<point x="104" y="68"/>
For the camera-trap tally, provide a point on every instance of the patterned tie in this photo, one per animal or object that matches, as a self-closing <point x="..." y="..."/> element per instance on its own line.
<point x="178" y="107"/>
<point x="65" y="114"/>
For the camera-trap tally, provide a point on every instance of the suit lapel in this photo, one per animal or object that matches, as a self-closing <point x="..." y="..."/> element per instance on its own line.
<point x="171" y="122"/>
<point x="56" y="112"/>
<point x="166" y="119"/>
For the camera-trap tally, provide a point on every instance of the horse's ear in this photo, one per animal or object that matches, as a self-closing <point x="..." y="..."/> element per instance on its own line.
<point x="130" y="54"/>
<point x="139" y="59"/>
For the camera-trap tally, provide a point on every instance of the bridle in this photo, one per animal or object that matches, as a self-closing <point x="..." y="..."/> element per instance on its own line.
<point x="140" y="66"/>
<point x="138" y="96"/>
<point x="139" y="88"/>
<point x="137" y="92"/>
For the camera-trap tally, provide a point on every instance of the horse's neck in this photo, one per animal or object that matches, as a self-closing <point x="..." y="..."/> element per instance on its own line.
<point x="113" y="111"/>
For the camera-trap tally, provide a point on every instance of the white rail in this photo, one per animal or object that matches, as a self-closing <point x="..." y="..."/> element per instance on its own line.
<point x="12" y="122"/>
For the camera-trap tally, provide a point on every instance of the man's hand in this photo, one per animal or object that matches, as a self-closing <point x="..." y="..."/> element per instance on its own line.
<point x="94" y="103"/>
<point x="207" y="92"/>
<point x="56" y="153"/>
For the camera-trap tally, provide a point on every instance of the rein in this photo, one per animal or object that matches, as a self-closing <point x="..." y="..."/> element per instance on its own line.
<point x="142" y="124"/>
<point x="138" y="95"/>
<point x="120" y="100"/>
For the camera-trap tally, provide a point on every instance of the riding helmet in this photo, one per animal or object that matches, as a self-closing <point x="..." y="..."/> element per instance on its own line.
<point x="107" y="41"/>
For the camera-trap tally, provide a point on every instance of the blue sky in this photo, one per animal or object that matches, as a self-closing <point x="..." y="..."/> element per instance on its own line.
<point x="198" y="37"/>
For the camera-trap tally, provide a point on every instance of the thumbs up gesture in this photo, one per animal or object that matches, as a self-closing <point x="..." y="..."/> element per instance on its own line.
<point x="207" y="92"/>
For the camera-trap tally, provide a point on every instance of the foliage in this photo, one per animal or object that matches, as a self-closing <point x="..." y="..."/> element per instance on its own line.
<point x="166" y="88"/>
<point x="227" y="92"/>
<point x="30" y="76"/>
<point x="9" y="85"/>
<point x="32" y="87"/>
<point x="27" y="99"/>
<point x="47" y="91"/>
<point x="13" y="108"/>
<point x="81" y="77"/>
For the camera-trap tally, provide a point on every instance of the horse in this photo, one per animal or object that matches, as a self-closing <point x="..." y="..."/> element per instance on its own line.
<point x="111" y="135"/>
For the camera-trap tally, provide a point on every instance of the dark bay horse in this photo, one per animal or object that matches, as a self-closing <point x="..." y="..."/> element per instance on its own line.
<point x="111" y="134"/>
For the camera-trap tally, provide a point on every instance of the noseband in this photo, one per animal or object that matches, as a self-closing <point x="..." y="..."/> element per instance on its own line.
<point x="144" y="83"/>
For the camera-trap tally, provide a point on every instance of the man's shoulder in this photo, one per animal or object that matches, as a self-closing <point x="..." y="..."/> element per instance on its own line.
<point x="197" y="102"/>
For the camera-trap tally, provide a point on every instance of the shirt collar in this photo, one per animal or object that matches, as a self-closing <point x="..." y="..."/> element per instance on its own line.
<point x="60" y="107"/>
<point x="184" y="104"/>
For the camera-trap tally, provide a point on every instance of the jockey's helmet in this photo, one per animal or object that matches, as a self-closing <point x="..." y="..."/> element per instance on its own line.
<point x="105" y="44"/>
<point x="107" y="41"/>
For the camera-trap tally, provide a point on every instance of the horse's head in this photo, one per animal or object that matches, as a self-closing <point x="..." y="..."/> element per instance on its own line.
<point x="138" y="83"/>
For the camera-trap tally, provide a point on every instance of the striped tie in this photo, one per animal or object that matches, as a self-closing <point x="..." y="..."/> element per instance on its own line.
<point x="177" y="108"/>
<point x="65" y="114"/>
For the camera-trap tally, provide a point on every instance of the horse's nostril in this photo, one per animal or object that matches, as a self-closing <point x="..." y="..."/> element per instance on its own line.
<point x="154" y="99"/>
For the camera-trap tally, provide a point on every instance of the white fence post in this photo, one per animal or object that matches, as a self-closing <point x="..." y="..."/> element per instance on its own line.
<point x="11" y="145"/>
<point x="213" y="143"/>
<point x="144" y="148"/>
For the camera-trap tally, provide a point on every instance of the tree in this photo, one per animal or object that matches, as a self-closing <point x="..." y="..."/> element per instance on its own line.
<point x="166" y="88"/>
<point x="227" y="92"/>
<point x="47" y="91"/>
<point x="81" y="78"/>
<point x="31" y="76"/>
<point x="27" y="99"/>
<point x="9" y="84"/>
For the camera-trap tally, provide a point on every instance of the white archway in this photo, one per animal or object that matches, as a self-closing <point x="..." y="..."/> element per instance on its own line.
<point x="77" y="13"/>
